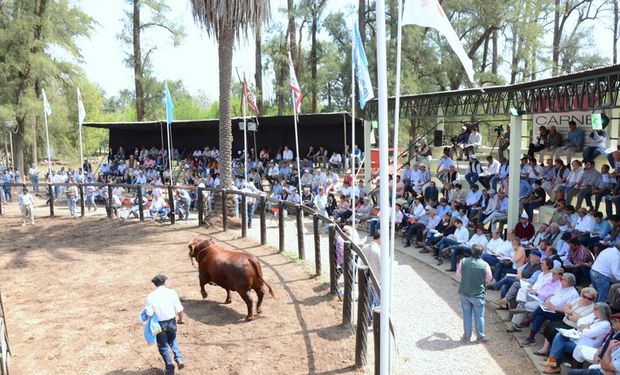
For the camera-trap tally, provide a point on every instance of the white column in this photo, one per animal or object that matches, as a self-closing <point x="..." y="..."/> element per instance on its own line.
<point x="514" y="157"/>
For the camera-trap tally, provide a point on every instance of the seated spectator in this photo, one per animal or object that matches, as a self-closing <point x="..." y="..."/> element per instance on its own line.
<point x="489" y="172"/>
<point x="497" y="249"/>
<point x="574" y="311"/>
<point x="600" y="190"/>
<point x="605" y="270"/>
<point x="540" y="143"/>
<point x="514" y="291"/>
<point x="474" y="170"/>
<point x="553" y="308"/>
<point x="478" y="238"/>
<point x="182" y="202"/>
<point x="534" y="200"/>
<point x="158" y="207"/>
<point x="578" y="262"/>
<point x="473" y="198"/>
<point x="500" y="212"/>
<point x="474" y="141"/>
<point x="554" y="142"/>
<point x="364" y="211"/>
<point x="592" y="333"/>
<point x="589" y="180"/>
<point x="424" y="154"/>
<point x="431" y="193"/>
<point x="427" y="223"/>
<point x="524" y="229"/>
<point x="517" y="259"/>
<point x="421" y="180"/>
<point x="460" y="236"/>
<point x="575" y="140"/>
<point x="596" y="144"/>
<point x="560" y="176"/>
<point x="335" y="161"/>
<point x="502" y="177"/>
<point x="287" y="155"/>
<point x="601" y="354"/>
<point x="443" y="166"/>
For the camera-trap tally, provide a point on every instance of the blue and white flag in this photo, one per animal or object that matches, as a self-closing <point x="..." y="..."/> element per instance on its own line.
<point x="169" y="105"/>
<point x="46" y="105"/>
<point x="360" y="64"/>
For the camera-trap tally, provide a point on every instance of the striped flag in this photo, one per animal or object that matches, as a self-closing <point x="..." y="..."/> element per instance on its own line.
<point x="46" y="105"/>
<point x="297" y="95"/>
<point x="249" y="97"/>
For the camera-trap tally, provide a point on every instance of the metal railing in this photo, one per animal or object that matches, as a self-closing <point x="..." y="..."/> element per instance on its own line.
<point x="367" y="281"/>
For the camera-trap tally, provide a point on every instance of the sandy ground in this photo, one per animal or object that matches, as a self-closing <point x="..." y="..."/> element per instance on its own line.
<point x="73" y="290"/>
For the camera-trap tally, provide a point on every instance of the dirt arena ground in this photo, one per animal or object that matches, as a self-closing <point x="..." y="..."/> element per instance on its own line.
<point x="73" y="290"/>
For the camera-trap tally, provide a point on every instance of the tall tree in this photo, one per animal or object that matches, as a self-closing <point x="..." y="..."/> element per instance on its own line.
<point x="614" y="28"/>
<point x="292" y="33"/>
<point x="135" y="25"/>
<point x="228" y="20"/>
<point x="315" y="9"/>
<point x="258" y="63"/>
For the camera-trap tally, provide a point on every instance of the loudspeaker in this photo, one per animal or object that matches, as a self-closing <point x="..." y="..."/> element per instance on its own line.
<point x="438" y="138"/>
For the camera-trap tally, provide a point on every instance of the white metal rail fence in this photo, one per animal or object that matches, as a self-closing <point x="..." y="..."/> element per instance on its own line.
<point x="5" y="352"/>
<point x="356" y="314"/>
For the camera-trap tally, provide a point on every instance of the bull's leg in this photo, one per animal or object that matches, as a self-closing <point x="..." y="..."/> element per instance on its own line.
<point x="245" y="295"/>
<point x="228" y="298"/>
<point x="203" y="282"/>
<point x="260" y="293"/>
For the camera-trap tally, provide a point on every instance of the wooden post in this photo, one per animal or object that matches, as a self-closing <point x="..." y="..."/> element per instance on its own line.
<point x="333" y="277"/>
<point x="50" y="190"/>
<point x="361" y="337"/>
<point x="263" y="221"/>
<point x="376" y="333"/>
<point x="317" y="244"/>
<point x="281" y="226"/>
<point x="140" y="204"/>
<point x="200" y="207"/>
<point x="244" y="215"/>
<point x="171" y="204"/>
<point x="82" y="209"/>
<point x="224" y="212"/>
<point x="348" y="284"/>
<point x="109" y="201"/>
<point x="300" y="232"/>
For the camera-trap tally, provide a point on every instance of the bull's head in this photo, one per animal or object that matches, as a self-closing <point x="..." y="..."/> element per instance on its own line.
<point x="195" y="248"/>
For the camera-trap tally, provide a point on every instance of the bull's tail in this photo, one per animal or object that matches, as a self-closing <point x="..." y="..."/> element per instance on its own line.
<point x="259" y="275"/>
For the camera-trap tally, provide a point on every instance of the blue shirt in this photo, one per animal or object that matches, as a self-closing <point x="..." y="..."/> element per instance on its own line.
<point x="576" y="137"/>
<point x="525" y="189"/>
<point x="603" y="228"/>
<point x="443" y="210"/>
<point x="503" y="205"/>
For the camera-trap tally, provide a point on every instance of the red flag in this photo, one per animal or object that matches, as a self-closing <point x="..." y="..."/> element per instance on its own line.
<point x="297" y="95"/>
<point x="249" y="97"/>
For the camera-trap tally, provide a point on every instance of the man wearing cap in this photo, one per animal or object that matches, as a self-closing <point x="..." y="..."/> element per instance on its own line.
<point x="164" y="303"/>
<point x="524" y="229"/>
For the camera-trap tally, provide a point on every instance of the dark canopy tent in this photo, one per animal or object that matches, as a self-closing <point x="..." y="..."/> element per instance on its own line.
<point x="326" y="129"/>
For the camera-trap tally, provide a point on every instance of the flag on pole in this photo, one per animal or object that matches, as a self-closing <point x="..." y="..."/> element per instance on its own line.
<point x="249" y="97"/>
<point x="169" y="105"/>
<point x="429" y="13"/>
<point x="360" y="62"/>
<point x="46" y="105"/>
<point x="81" y="110"/>
<point x="297" y="95"/>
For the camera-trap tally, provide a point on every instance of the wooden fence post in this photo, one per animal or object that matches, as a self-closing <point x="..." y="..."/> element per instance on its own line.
<point x="348" y="284"/>
<point x="361" y="332"/>
<point x="244" y="215"/>
<point x="200" y="207"/>
<point x="82" y="209"/>
<point x="317" y="244"/>
<point x="140" y="204"/>
<point x="281" y="226"/>
<point x="263" y="221"/>
<point x="224" y="212"/>
<point x="299" y="216"/>
<point x="50" y="190"/>
<point x="376" y="333"/>
<point x="333" y="277"/>
<point x="109" y="202"/>
<point x="173" y="216"/>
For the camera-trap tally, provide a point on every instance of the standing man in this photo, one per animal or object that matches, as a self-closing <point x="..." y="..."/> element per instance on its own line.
<point x="474" y="274"/>
<point x="26" y="204"/>
<point x="165" y="305"/>
<point x="33" y="172"/>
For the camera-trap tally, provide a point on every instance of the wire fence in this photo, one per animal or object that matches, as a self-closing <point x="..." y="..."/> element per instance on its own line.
<point x="5" y="351"/>
<point x="302" y="232"/>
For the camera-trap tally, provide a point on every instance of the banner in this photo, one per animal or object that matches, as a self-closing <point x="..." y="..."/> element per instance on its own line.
<point x="249" y="97"/>
<point x="297" y="95"/>
<point x="360" y="63"/>
<point x="560" y="120"/>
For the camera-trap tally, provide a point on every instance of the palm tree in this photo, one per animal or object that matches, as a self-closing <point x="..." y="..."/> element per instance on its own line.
<point x="227" y="20"/>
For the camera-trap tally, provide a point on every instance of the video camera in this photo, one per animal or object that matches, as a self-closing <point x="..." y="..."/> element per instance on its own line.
<point x="499" y="130"/>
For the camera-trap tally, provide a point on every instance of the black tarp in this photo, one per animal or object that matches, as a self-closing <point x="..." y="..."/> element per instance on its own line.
<point x="326" y="129"/>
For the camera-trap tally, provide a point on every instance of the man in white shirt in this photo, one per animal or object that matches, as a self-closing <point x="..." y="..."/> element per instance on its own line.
<point x="584" y="223"/>
<point x="489" y="172"/>
<point x="26" y="204"/>
<point x="335" y="161"/>
<point x="497" y="249"/>
<point x="33" y="172"/>
<point x="605" y="271"/>
<point x="287" y="154"/>
<point x="164" y="304"/>
<point x="158" y="207"/>
<point x="460" y="236"/>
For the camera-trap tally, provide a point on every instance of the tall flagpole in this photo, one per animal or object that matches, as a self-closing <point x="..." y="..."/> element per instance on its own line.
<point x="169" y="134"/>
<point x="47" y="139"/>
<point x="384" y="197"/>
<point x="353" y="174"/>
<point x="296" y="144"/>
<point x="396" y="126"/>
<point x="81" y="147"/>
<point x="80" y="120"/>
<point x="245" y="141"/>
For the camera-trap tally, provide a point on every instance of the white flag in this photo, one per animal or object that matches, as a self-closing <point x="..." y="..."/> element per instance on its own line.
<point x="81" y="110"/>
<point x="360" y="64"/>
<point x="428" y="13"/>
<point x="297" y="95"/>
<point x="46" y="105"/>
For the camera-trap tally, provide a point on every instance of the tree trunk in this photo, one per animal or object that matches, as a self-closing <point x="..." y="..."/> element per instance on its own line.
<point x="557" y="37"/>
<point x="313" y="59"/>
<point x="615" y="29"/>
<point x="515" y="56"/>
<point x="225" y="55"/>
<point x="485" y="55"/>
<point x="18" y="144"/>
<point x="280" y="78"/>
<point x="292" y="33"/>
<point x="495" y="54"/>
<point x="34" y="159"/>
<point x="258" y="76"/>
<point x="361" y="19"/>
<point x="137" y="62"/>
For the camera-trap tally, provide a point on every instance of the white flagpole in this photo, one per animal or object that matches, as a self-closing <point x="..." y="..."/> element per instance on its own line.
<point x="47" y="139"/>
<point x="169" y="133"/>
<point x="353" y="174"/>
<point x="245" y="149"/>
<point x="396" y="125"/>
<point x="81" y="146"/>
<point x="296" y="144"/>
<point x="384" y="197"/>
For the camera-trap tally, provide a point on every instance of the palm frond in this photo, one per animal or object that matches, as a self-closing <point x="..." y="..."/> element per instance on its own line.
<point x="242" y="16"/>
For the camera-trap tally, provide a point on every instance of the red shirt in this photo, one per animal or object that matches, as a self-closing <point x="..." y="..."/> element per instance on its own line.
<point x="524" y="232"/>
